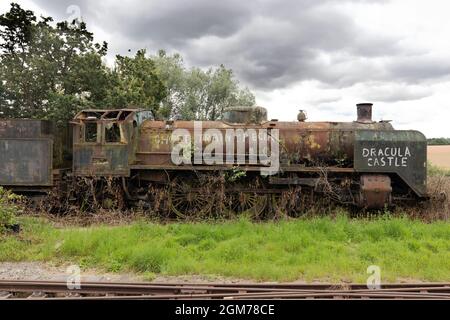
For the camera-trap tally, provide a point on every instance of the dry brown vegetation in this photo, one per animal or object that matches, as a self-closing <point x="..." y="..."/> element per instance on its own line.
<point x="437" y="207"/>
<point x="439" y="190"/>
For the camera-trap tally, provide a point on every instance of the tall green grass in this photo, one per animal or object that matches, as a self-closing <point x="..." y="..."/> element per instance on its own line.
<point x="329" y="249"/>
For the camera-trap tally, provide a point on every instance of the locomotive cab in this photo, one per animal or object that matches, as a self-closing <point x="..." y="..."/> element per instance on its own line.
<point x="103" y="141"/>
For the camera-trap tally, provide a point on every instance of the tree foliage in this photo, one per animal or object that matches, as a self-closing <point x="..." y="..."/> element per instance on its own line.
<point x="198" y="94"/>
<point x="438" y="141"/>
<point x="48" y="71"/>
<point x="18" y="26"/>
<point x="52" y="70"/>
<point x="136" y="84"/>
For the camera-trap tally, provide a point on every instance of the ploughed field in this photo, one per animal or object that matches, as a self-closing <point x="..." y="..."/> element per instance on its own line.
<point x="439" y="156"/>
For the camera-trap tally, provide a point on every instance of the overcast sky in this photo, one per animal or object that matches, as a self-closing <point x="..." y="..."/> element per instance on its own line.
<point x="323" y="56"/>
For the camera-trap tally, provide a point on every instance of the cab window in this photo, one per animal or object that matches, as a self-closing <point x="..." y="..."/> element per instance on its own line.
<point x="90" y="132"/>
<point x="112" y="133"/>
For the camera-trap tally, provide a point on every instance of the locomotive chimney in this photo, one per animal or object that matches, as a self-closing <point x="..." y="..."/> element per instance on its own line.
<point x="364" y="112"/>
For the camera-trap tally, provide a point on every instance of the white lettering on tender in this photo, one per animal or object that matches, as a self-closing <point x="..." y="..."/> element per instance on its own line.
<point x="387" y="157"/>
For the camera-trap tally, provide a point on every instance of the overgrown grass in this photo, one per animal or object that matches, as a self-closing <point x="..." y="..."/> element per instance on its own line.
<point x="327" y="249"/>
<point x="438" y="205"/>
<point x="434" y="170"/>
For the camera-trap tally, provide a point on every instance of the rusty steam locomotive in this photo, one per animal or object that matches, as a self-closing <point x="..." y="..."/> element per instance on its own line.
<point x="148" y="163"/>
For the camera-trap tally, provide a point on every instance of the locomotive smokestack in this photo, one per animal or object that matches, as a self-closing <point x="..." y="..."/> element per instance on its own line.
<point x="364" y="112"/>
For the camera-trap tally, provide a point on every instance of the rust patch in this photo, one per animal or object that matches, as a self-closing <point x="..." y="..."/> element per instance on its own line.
<point x="375" y="191"/>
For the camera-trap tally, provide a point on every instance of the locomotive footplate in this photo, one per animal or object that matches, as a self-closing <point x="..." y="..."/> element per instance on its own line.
<point x="375" y="191"/>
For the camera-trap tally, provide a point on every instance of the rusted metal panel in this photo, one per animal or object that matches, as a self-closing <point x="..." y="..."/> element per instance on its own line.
<point x="299" y="169"/>
<point x="26" y="162"/>
<point x="311" y="182"/>
<point x="375" y="192"/>
<point x="25" y="128"/>
<point x="26" y="152"/>
<point x="101" y="160"/>
<point x="364" y="112"/>
<point x="245" y="115"/>
<point x="106" y="152"/>
<point x="401" y="152"/>
<point x="301" y="143"/>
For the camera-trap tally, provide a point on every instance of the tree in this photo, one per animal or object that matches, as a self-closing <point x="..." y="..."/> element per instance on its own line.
<point x="3" y="98"/>
<point x="51" y="71"/>
<point x="171" y="71"/>
<point x="136" y="84"/>
<point x="197" y="94"/>
<point x="17" y="28"/>
<point x="438" y="141"/>
<point x="44" y="66"/>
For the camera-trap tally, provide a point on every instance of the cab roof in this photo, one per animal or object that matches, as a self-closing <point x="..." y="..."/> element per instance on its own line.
<point x="111" y="114"/>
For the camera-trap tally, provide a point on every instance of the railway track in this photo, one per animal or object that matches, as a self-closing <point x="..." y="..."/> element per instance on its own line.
<point x="51" y="290"/>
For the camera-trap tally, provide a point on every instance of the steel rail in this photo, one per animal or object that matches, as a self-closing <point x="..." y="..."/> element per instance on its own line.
<point x="318" y="286"/>
<point x="139" y="290"/>
<point x="328" y="295"/>
<point x="143" y="288"/>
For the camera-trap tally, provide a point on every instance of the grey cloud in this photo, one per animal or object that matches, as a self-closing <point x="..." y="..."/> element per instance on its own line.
<point x="420" y="67"/>
<point x="322" y="100"/>
<point x="393" y="92"/>
<point x="336" y="110"/>
<point x="270" y="53"/>
<point x="168" y="22"/>
<point x="269" y="44"/>
<point x="59" y="9"/>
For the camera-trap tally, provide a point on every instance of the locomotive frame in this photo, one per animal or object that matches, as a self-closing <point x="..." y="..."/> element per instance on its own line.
<point x="363" y="163"/>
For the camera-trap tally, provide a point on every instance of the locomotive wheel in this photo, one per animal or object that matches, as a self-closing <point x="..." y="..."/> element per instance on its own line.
<point x="158" y="200"/>
<point x="278" y="205"/>
<point x="151" y="199"/>
<point x="244" y="199"/>
<point x="287" y="203"/>
<point x="188" y="198"/>
<point x="251" y="202"/>
<point x="109" y="195"/>
<point x="98" y="193"/>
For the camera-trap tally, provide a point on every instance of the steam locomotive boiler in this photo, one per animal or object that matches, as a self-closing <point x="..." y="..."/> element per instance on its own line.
<point x="245" y="162"/>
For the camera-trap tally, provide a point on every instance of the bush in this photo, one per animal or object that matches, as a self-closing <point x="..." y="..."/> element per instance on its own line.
<point x="438" y="141"/>
<point x="8" y="209"/>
